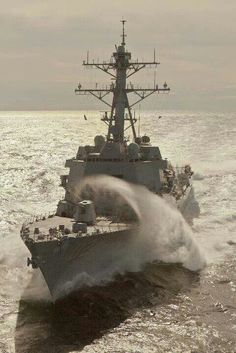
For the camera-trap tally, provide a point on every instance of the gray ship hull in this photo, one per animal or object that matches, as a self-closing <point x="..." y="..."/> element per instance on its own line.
<point x="74" y="246"/>
<point x="70" y="263"/>
<point x="73" y="262"/>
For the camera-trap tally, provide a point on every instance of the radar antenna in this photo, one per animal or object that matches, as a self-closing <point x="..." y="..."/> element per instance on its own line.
<point x="120" y="68"/>
<point x="123" y="32"/>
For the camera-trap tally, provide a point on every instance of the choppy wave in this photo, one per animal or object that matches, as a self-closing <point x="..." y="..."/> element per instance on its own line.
<point x="87" y="314"/>
<point x="53" y="137"/>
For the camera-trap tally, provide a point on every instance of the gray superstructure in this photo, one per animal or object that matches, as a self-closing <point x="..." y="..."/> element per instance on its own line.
<point x="71" y="243"/>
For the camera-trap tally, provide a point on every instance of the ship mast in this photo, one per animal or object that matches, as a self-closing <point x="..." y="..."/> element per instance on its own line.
<point x="120" y="68"/>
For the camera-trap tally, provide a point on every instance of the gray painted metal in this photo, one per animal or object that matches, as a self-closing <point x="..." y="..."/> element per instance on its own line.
<point x="123" y="68"/>
<point x="67" y="245"/>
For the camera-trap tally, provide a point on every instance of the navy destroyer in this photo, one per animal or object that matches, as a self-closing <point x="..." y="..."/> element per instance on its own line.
<point x="71" y="242"/>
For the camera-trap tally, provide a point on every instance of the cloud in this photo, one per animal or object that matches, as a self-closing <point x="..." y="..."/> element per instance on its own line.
<point x="43" y="44"/>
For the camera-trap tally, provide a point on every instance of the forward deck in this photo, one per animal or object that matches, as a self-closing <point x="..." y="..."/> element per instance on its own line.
<point x="58" y="228"/>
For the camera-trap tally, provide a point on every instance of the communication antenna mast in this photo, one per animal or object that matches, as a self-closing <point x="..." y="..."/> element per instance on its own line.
<point x="120" y="69"/>
<point x="139" y="121"/>
<point x="123" y="32"/>
<point x="155" y="74"/>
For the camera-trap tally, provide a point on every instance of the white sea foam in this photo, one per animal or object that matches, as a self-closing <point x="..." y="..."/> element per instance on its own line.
<point x="54" y="136"/>
<point x="163" y="234"/>
<point x="30" y="169"/>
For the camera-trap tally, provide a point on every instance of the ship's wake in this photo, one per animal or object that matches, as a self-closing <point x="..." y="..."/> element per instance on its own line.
<point x="162" y="235"/>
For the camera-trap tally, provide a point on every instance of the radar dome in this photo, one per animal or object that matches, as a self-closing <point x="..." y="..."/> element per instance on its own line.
<point x="138" y="140"/>
<point x="99" y="140"/>
<point x="145" y="139"/>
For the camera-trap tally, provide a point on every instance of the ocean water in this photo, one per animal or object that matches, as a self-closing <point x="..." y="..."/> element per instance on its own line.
<point x="159" y="305"/>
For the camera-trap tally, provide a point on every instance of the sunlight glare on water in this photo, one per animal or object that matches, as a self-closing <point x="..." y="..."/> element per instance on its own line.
<point x="34" y="147"/>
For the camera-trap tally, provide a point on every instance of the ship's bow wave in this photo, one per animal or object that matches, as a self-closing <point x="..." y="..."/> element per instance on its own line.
<point x="162" y="234"/>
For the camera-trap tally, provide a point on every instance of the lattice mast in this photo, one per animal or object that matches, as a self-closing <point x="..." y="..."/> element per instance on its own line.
<point x="120" y="68"/>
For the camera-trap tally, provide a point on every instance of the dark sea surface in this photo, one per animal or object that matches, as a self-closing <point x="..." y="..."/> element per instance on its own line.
<point x="163" y="306"/>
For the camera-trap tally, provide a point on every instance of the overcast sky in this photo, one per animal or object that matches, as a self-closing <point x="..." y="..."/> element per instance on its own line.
<point x="43" y="43"/>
